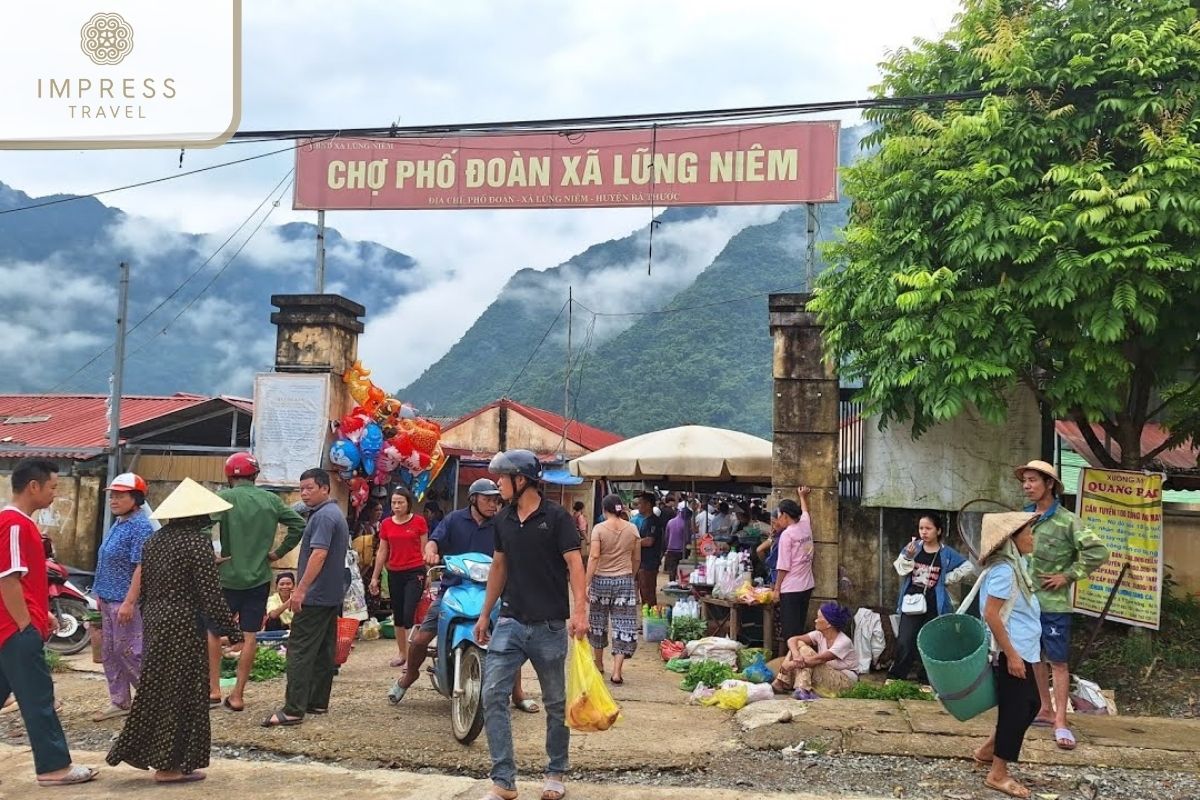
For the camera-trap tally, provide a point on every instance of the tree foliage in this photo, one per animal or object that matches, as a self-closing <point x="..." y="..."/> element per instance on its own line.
<point x="1045" y="235"/>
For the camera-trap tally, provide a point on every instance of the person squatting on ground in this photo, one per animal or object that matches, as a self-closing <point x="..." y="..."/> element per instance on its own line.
<point x="402" y="540"/>
<point x="536" y="573"/>
<point x="118" y="588"/>
<point x="167" y="729"/>
<point x="823" y="659"/>
<point x="316" y="601"/>
<point x="926" y="566"/>
<point x="247" y="533"/>
<point x="26" y="623"/>
<point x="467" y="530"/>
<point x="613" y="560"/>
<point x="1010" y="608"/>
<point x="794" y="580"/>
<point x="1065" y="551"/>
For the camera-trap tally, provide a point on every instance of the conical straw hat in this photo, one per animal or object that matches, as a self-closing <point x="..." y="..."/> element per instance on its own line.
<point x="190" y="499"/>
<point x="997" y="528"/>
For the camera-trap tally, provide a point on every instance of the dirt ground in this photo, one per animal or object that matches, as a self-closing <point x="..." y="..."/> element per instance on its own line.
<point x="362" y="727"/>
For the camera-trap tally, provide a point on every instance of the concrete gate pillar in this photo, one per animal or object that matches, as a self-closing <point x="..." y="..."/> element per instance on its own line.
<point x="318" y="334"/>
<point x="806" y="430"/>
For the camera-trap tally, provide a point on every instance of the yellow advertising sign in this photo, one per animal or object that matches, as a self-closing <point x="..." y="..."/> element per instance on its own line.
<point x="1125" y="510"/>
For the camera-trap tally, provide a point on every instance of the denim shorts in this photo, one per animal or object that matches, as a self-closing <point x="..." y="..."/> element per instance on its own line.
<point x="1056" y="637"/>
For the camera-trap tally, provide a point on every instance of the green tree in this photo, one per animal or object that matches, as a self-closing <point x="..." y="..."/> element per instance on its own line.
<point x="1045" y="234"/>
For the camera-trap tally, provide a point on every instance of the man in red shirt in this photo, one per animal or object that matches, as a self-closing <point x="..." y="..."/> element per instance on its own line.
<point x="25" y="623"/>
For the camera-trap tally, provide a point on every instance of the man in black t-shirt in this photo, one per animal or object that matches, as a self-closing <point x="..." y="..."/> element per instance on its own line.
<point x="536" y="569"/>
<point x="653" y="532"/>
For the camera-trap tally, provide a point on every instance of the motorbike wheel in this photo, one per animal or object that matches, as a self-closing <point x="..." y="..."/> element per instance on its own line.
<point x="72" y="635"/>
<point x="466" y="711"/>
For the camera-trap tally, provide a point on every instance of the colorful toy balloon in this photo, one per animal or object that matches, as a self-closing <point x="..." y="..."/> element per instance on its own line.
<point x="370" y="445"/>
<point x="360" y="490"/>
<point x="345" y="455"/>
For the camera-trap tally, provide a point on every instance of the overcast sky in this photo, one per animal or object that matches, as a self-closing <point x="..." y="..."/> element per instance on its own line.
<point x="358" y="63"/>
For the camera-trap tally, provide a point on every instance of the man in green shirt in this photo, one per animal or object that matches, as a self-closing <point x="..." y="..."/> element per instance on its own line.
<point x="1065" y="551"/>
<point x="247" y="535"/>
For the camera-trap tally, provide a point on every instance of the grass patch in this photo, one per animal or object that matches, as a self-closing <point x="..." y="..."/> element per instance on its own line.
<point x="54" y="661"/>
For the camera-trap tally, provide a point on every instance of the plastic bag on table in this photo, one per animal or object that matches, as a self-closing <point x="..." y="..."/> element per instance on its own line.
<point x="669" y="649"/>
<point x="590" y="707"/>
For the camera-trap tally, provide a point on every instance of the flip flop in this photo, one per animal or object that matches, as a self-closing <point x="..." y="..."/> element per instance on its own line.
<point x="616" y="680"/>
<point x="1042" y="722"/>
<point x="1064" y="739"/>
<point x="281" y="720"/>
<point x="551" y="787"/>
<point x="214" y="702"/>
<point x="74" y="776"/>
<point x="231" y="707"/>
<point x="187" y="777"/>
<point x="1009" y="787"/>
<point x="527" y="705"/>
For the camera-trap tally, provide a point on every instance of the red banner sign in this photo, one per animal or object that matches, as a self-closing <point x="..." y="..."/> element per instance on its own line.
<point x="793" y="162"/>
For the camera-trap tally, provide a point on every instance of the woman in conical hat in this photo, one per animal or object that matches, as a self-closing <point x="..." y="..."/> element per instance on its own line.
<point x="1010" y="609"/>
<point x="167" y="728"/>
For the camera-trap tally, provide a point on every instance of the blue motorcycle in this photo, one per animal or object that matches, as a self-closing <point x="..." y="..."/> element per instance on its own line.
<point x="457" y="668"/>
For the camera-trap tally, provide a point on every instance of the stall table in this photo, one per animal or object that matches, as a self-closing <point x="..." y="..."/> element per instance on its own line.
<point x="735" y="620"/>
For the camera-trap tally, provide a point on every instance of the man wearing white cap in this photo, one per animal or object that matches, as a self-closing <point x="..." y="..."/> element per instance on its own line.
<point x="1065" y="551"/>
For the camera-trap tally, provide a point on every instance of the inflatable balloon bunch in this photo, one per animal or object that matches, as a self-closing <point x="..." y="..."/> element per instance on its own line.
<point x="383" y="440"/>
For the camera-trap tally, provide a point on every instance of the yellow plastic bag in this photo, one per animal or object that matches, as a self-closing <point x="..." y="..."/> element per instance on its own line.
<point x="733" y="699"/>
<point x="589" y="705"/>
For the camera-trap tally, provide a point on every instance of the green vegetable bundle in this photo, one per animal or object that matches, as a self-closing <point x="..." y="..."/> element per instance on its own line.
<point x="268" y="664"/>
<point x="710" y="673"/>
<point x="896" y="690"/>
<point x="747" y="655"/>
<point x="679" y="665"/>
<point x="687" y="629"/>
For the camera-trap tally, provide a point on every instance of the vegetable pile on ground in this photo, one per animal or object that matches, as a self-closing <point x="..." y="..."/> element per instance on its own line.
<point x="268" y="664"/>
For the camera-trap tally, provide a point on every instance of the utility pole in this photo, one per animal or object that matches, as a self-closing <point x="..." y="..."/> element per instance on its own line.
<point x="567" y="381"/>
<point x="812" y="247"/>
<point x="321" y="252"/>
<point x="115" y="388"/>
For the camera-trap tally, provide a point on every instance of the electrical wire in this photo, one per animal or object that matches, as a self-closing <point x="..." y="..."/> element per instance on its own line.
<point x="174" y="176"/>
<point x="218" y="273"/>
<point x="654" y="312"/>
<point x="537" y="347"/>
<point x="62" y="384"/>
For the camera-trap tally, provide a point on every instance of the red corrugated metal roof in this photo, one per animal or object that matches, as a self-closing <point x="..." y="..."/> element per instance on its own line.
<point x="585" y="436"/>
<point x="74" y="426"/>
<point x="1182" y="457"/>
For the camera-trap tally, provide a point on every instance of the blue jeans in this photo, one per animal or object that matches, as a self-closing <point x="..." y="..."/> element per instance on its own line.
<point x="544" y="644"/>
<point x="24" y="674"/>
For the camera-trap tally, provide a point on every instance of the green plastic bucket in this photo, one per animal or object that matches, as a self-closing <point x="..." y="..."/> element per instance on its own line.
<point x="954" y="649"/>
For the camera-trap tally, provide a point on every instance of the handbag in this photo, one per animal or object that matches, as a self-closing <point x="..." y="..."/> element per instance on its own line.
<point x="914" y="604"/>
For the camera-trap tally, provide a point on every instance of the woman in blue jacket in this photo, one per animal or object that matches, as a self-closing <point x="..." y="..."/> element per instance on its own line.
<point x="926" y="566"/>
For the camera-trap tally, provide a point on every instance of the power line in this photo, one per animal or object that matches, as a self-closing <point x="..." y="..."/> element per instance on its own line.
<point x="654" y="312"/>
<point x="66" y="381"/>
<point x="174" y="176"/>
<point x="536" y="348"/>
<point x="219" y="272"/>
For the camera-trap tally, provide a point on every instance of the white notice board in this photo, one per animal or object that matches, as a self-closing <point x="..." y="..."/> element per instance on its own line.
<point x="291" y="425"/>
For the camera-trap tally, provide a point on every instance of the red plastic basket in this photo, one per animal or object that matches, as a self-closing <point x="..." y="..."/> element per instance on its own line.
<point x="347" y="632"/>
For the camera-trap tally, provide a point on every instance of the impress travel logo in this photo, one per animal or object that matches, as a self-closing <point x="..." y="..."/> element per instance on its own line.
<point x="132" y="73"/>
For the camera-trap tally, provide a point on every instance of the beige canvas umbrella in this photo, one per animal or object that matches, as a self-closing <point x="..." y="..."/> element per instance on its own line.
<point x="690" y="452"/>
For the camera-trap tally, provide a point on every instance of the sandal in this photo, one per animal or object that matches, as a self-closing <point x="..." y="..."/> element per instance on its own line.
<point x="281" y="720"/>
<point x="214" y="702"/>
<point x="553" y="790"/>
<point x="74" y="776"/>
<point x="1064" y="739"/>
<point x="397" y="662"/>
<point x="318" y="711"/>
<point x="1009" y="787"/>
<point x="616" y="680"/>
<point x="527" y="705"/>
<point x="231" y="707"/>
<point x="1042" y="722"/>
<point x="495" y="795"/>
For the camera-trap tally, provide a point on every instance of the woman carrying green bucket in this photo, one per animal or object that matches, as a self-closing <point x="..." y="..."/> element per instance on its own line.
<point x="1010" y="610"/>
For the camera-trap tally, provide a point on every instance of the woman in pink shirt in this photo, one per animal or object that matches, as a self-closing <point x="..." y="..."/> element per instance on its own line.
<point x="794" y="568"/>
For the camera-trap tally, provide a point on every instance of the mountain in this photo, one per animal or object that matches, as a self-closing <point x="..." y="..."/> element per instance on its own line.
<point x="695" y="352"/>
<point x="58" y="282"/>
